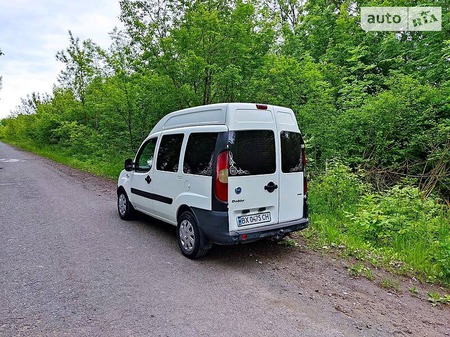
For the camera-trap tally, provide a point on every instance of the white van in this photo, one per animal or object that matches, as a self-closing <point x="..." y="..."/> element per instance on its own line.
<point x="222" y="173"/>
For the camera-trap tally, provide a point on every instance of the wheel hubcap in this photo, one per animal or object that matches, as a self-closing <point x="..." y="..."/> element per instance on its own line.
<point x="122" y="204"/>
<point x="187" y="236"/>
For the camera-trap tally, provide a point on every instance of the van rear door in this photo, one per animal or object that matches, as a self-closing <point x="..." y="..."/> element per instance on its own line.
<point x="291" y="177"/>
<point x="291" y="166"/>
<point x="253" y="192"/>
<point x="266" y="167"/>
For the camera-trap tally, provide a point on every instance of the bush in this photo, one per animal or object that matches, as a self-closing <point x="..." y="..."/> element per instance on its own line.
<point x="399" y="228"/>
<point x="336" y="191"/>
<point x="405" y="224"/>
<point x="76" y="138"/>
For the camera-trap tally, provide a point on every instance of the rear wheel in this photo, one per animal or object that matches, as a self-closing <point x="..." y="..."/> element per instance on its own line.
<point x="189" y="236"/>
<point x="124" y="206"/>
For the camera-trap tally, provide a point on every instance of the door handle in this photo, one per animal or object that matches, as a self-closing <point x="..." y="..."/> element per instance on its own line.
<point x="148" y="179"/>
<point x="270" y="187"/>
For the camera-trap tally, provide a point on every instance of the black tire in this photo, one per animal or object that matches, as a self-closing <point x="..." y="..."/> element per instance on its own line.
<point x="189" y="236"/>
<point x="124" y="207"/>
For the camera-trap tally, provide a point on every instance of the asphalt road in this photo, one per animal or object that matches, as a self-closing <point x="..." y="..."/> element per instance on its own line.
<point x="70" y="267"/>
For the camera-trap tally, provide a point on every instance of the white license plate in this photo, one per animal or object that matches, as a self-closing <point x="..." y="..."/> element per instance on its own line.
<point x="253" y="219"/>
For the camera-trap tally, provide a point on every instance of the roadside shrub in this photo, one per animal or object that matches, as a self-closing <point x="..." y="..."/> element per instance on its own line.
<point x="441" y="258"/>
<point x="335" y="191"/>
<point x="43" y="130"/>
<point x="75" y="138"/>
<point x="331" y="194"/>
<point x="405" y="224"/>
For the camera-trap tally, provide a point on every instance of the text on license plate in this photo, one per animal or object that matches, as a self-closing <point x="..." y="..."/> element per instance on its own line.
<point x="253" y="219"/>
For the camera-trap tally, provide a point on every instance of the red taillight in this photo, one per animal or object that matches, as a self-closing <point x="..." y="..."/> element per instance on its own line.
<point x="221" y="186"/>
<point x="305" y="184"/>
<point x="305" y="181"/>
<point x="303" y="158"/>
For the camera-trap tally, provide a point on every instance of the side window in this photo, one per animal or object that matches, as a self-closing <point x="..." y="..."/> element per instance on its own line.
<point x="199" y="154"/>
<point x="169" y="153"/>
<point x="252" y="152"/>
<point x="144" y="159"/>
<point x="291" y="152"/>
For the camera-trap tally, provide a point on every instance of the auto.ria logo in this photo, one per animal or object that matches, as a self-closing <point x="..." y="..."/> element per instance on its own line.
<point x="401" y="19"/>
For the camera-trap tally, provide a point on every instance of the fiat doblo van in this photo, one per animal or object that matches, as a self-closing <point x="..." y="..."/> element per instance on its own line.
<point x="222" y="174"/>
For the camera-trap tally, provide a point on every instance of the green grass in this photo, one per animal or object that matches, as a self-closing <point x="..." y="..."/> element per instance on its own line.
<point x="390" y="284"/>
<point x="99" y="164"/>
<point x="359" y="269"/>
<point x="436" y="298"/>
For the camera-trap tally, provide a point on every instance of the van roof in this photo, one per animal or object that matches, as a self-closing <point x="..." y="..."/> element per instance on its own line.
<point x="212" y="114"/>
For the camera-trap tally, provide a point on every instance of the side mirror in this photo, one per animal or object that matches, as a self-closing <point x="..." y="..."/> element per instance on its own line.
<point x="129" y="165"/>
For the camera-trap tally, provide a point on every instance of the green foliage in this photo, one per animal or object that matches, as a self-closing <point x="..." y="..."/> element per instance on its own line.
<point x="413" y="290"/>
<point x="335" y="191"/>
<point x="359" y="269"/>
<point x="441" y="257"/>
<point x="76" y="137"/>
<point x="390" y="284"/>
<point x="331" y="194"/>
<point x="403" y="223"/>
<point x="435" y="298"/>
<point x="399" y="228"/>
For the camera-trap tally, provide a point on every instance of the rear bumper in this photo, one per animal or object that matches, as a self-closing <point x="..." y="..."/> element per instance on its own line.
<point x="214" y="225"/>
<point x="280" y="229"/>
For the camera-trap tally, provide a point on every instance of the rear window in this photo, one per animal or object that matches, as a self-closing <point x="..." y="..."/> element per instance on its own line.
<point x="291" y="152"/>
<point x="252" y="152"/>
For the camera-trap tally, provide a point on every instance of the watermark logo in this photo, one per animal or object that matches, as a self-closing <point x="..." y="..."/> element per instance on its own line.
<point x="425" y="18"/>
<point x="401" y="18"/>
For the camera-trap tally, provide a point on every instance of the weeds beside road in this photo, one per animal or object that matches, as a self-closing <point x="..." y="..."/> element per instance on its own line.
<point x="400" y="230"/>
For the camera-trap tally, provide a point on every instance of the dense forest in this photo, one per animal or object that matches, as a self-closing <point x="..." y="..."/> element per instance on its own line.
<point x="374" y="107"/>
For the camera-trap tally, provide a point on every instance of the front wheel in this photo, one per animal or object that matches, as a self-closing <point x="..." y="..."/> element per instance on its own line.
<point x="188" y="236"/>
<point x="124" y="206"/>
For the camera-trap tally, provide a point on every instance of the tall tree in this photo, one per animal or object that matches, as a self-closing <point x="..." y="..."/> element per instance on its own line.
<point x="209" y="49"/>
<point x="289" y="12"/>
<point x="80" y="68"/>
<point x="29" y="105"/>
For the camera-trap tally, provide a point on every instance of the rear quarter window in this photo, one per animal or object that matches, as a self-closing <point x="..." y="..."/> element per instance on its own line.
<point x="199" y="154"/>
<point x="252" y="152"/>
<point x="169" y="153"/>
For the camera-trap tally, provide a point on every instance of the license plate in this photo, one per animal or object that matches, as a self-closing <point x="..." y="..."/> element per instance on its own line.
<point x="253" y="219"/>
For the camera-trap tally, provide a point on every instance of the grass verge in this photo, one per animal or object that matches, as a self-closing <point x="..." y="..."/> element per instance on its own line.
<point x="104" y="165"/>
<point x="398" y="229"/>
